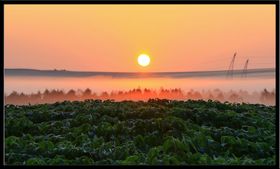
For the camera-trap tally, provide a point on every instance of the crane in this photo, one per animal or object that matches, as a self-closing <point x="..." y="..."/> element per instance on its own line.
<point x="244" y="72"/>
<point x="231" y="66"/>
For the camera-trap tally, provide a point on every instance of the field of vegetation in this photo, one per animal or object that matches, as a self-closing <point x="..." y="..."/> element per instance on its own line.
<point x="160" y="132"/>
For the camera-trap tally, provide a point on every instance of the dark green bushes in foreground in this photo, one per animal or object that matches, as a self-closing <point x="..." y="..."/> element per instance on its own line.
<point x="127" y="132"/>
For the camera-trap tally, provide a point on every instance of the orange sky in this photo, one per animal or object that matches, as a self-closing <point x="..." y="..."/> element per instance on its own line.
<point x="110" y="37"/>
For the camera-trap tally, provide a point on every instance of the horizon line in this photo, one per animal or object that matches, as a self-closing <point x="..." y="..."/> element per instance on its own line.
<point x="86" y="71"/>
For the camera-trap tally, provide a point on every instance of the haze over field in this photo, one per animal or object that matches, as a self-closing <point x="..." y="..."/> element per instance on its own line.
<point x="47" y="86"/>
<point x="268" y="72"/>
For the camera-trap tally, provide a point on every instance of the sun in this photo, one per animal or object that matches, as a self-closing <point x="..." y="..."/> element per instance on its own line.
<point x="143" y="60"/>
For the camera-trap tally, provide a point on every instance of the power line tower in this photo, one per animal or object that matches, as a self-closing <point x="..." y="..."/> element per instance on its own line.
<point x="231" y="66"/>
<point x="245" y="69"/>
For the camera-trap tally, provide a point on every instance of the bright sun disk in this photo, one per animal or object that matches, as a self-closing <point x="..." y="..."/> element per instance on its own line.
<point x="143" y="60"/>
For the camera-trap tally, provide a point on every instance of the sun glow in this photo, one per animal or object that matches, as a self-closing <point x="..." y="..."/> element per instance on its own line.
<point x="143" y="60"/>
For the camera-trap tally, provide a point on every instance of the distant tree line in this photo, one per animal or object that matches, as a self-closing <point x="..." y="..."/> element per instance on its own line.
<point x="51" y="96"/>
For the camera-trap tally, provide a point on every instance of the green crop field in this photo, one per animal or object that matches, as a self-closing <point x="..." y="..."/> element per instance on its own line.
<point x="159" y="132"/>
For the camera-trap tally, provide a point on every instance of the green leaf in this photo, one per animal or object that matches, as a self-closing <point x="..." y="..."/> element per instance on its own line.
<point x="35" y="161"/>
<point x="131" y="160"/>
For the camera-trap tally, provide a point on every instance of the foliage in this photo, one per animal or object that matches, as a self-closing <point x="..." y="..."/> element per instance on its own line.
<point x="156" y="132"/>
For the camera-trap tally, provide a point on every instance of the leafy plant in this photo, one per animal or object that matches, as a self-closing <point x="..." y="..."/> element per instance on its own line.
<point x="165" y="132"/>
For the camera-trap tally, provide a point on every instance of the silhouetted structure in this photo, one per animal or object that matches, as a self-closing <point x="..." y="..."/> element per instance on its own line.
<point x="244" y="72"/>
<point x="231" y="66"/>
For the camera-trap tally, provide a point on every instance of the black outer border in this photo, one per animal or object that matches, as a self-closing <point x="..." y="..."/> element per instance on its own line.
<point x="277" y="82"/>
<point x="115" y="2"/>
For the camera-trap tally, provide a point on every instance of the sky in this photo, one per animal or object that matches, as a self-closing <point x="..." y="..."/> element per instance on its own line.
<point x="111" y="37"/>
